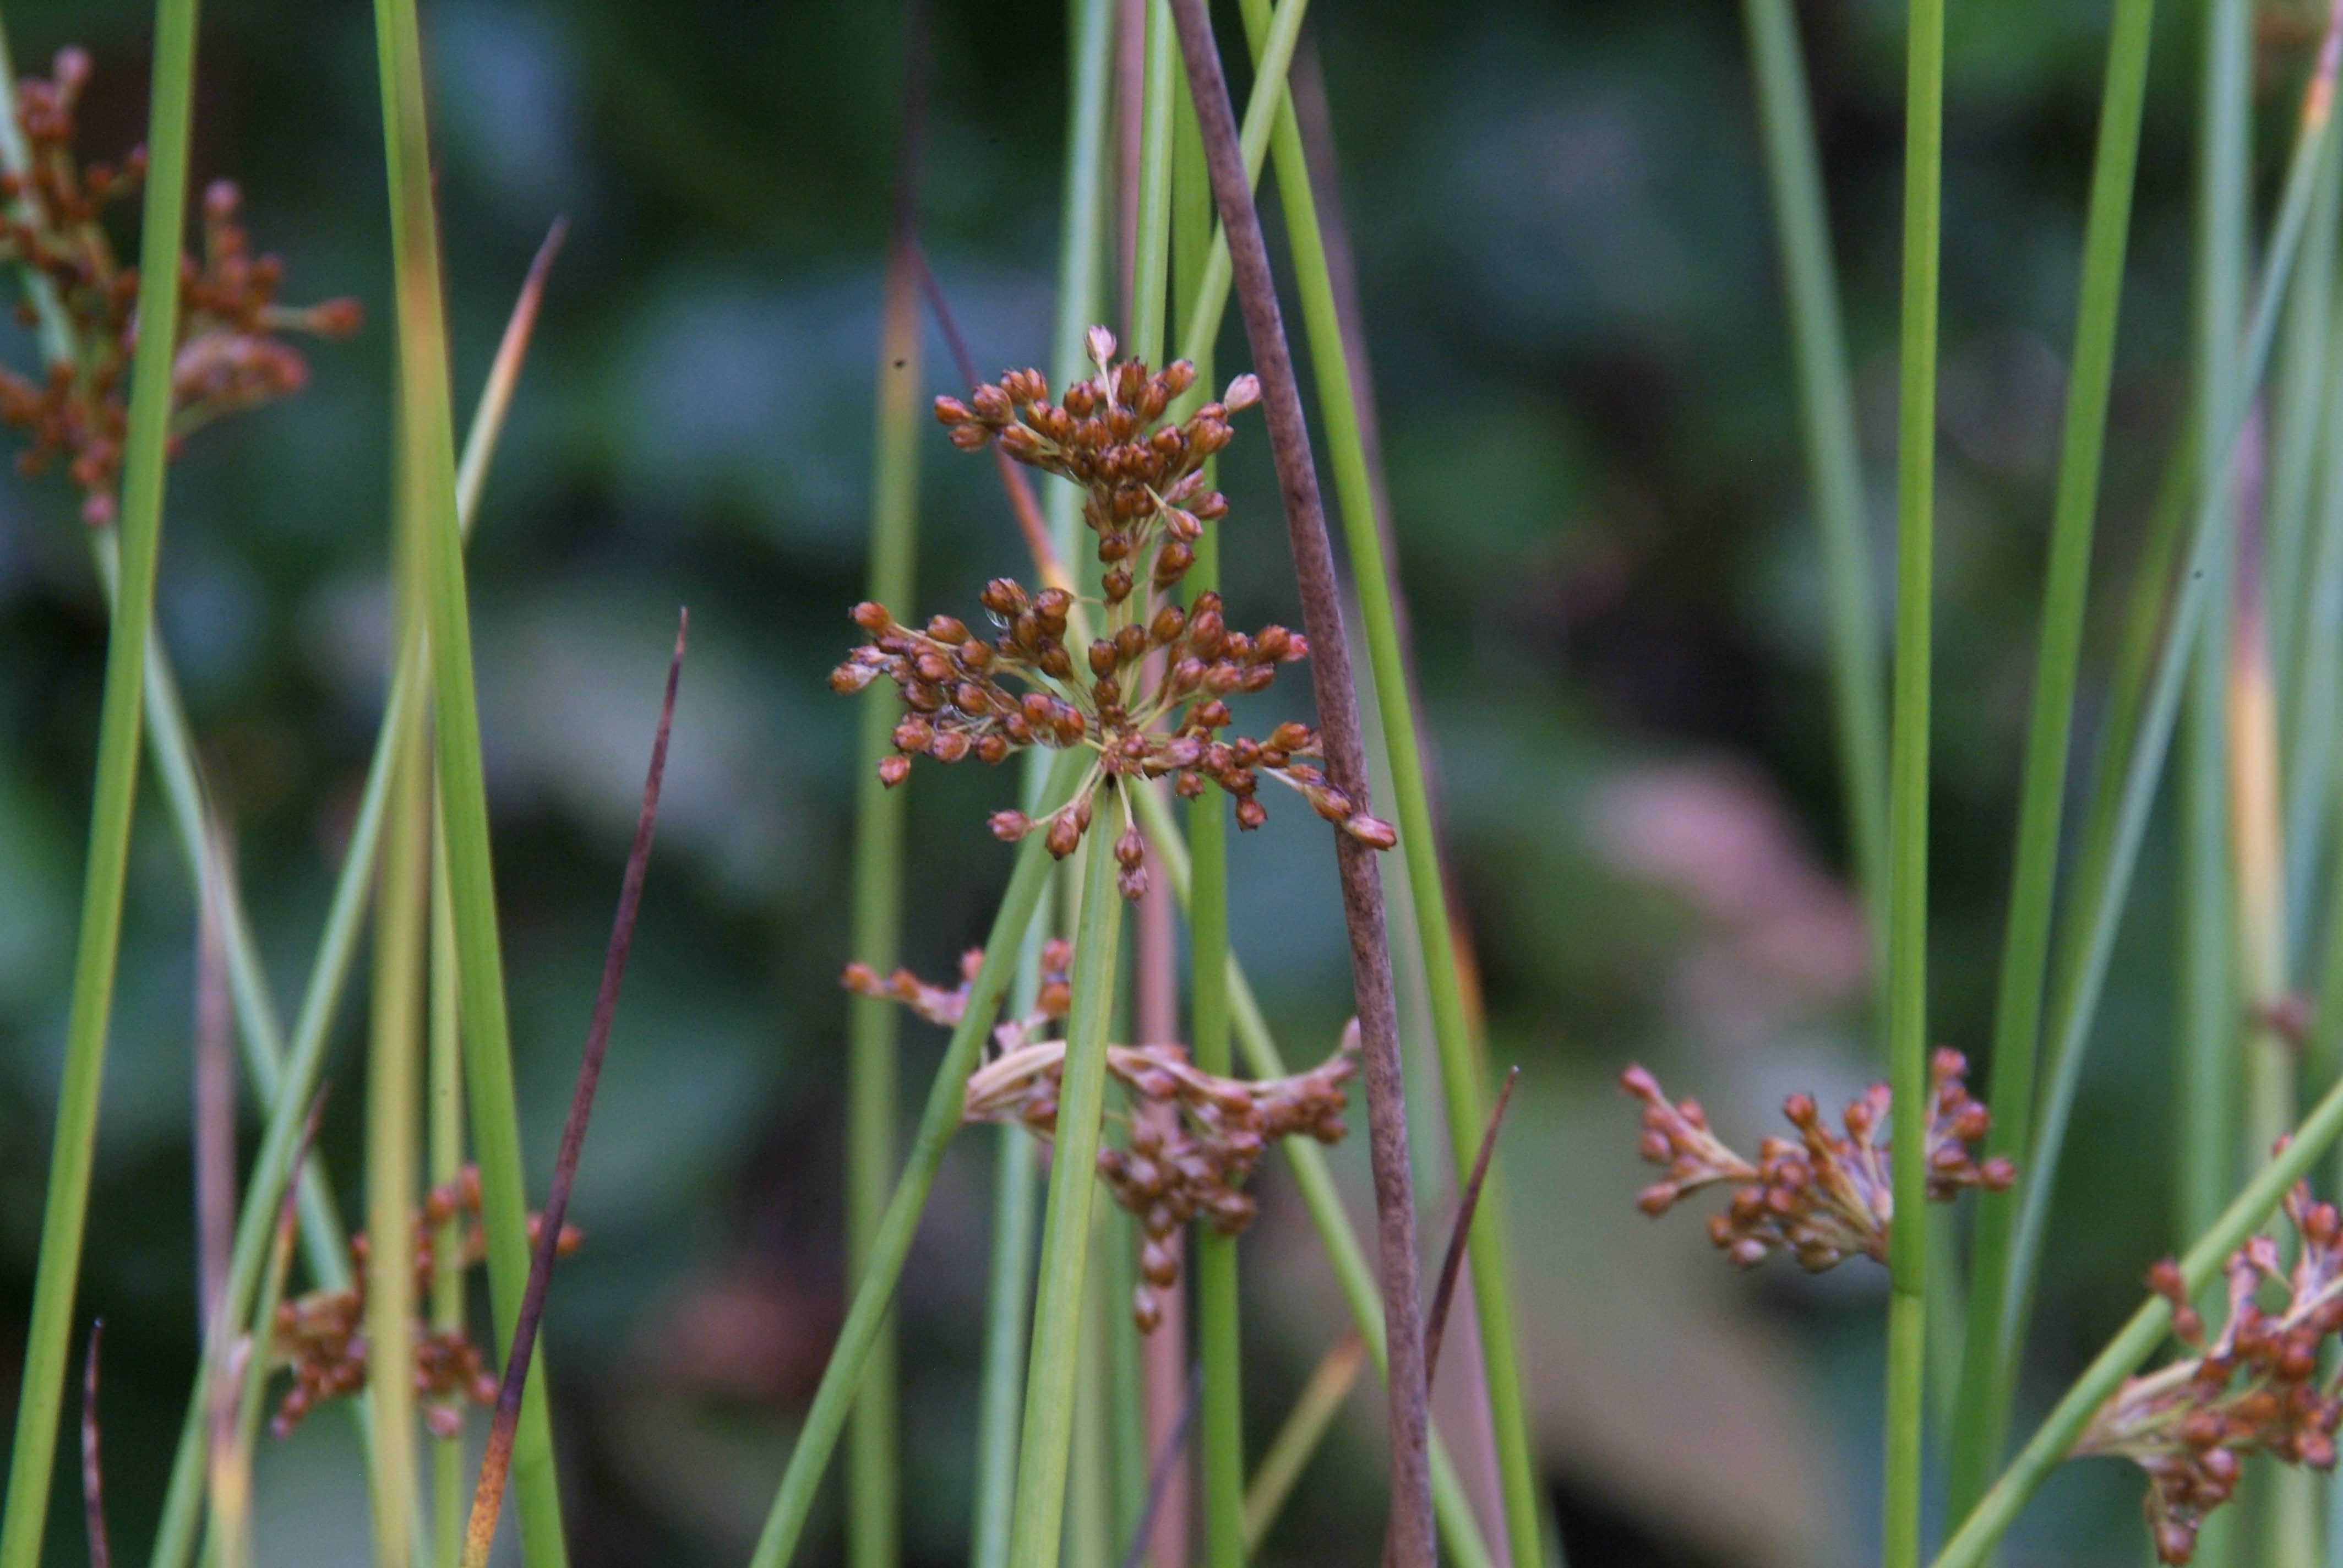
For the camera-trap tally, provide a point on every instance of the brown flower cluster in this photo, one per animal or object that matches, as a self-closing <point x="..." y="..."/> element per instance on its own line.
<point x="1189" y="1164"/>
<point x="229" y="356"/>
<point x="322" y="1335"/>
<point x="1823" y="1197"/>
<point x="2255" y="1388"/>
<point x="1150" y="693"/>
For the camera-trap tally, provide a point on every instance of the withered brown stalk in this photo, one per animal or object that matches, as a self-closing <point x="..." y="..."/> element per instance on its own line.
<point x="1443" y="1294"/>
<point x="497" y="1463"/>
<point x="1030" y="525"/>
<point x="1410" y="1529"/>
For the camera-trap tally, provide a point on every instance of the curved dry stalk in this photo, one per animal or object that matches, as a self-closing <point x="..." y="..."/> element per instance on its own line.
<point x="496" y="1465"/>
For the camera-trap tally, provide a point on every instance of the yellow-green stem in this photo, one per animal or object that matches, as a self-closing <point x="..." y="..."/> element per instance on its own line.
<point x="1907" y="811"/>
<point x="1035" y="1525"/>
<point x="871" y="1484"/>
<point x="393" y="1060"/>
<point x="1981" y="1416"/>
<point x="425" y="481"/>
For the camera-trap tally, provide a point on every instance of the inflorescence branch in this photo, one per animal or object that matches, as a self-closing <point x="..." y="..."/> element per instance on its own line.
<point x="1172" y="1168"/>
<point x="229" y="356"/>
<point x="1821" y="1197"/>
<point x="2254" y="1389"/>
<point x="1150" y="694"/>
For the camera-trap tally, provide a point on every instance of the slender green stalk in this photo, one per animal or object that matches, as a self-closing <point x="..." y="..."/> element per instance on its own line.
<point x="1016" y="1165"/>
<point x="2298" y="383"/>
<point x="1220" y="1462"/>
<point x="1834" y="452"/>
<point x="871" y="1483"/>
<point x="1907" y="813"/>
<point x="1090" y="1459"/>
<point x="1036" y="1523"/>
<point x="427" y="481"/>
<point x="64" y="1220"/>
<point x="1463" y="1089"/>
<point x="1152" y="250"/>
<point x="2207" y="996"/>
<point x="1016" y="1172"/>
<point x="2312" y="691"/>
<point x="1297" y="1441"/>
<point x="393" y="1060"/>
<point x="450" y="1487"/>
<point x="289" y="1094"/>
<point x="938" y="1121"/>
<point x="1313" y="1181"/>
<point x="1083" y="233"/>
<point x="1272" y="58"/>
<point x="1986" y="1524"/>
<point x="2107" y="861"/>
<point x="1982" y="1413"/>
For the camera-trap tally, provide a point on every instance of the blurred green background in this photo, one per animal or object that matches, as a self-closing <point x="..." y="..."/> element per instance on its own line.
<point x="1568" y="270"/>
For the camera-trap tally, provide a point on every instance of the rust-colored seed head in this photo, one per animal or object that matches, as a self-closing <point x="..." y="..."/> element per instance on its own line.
<point x="2254" y="1387"/>
<point x="1823" y="1197"/>
<point x="1146" y="503"/>
<point x="322" y="1335"/>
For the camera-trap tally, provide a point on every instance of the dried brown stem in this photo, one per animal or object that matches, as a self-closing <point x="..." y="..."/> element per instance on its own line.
<point x="1410" y="1537"/>
<point x="1170" y="1464"/>
<point x="495" y="1465"/>
<point x="1444" y="1295"/>
<point x="214" y="1096"/>
<point x="1030" y="525"/>
<point x="93" y="1473"/>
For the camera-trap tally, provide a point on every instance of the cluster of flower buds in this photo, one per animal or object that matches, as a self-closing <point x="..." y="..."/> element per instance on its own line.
<point x="1143" y="481"/>
<point x="228" y="356"/>
<point x="322" y="1335"/>
<point x="1150" y="696"/>
<point x="1192" y="1138"/>
<point x="1823" y="1197"/>
<point x="2255" y="1388"/>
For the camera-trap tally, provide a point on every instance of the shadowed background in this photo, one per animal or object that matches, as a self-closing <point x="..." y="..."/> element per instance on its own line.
<point x="1568" y="271"/>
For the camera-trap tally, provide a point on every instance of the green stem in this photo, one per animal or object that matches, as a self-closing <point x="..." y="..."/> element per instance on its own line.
<point x="871" y="1483"/>
<point x="1050" y="1367"/>
<point x="2108" y="862"/>
<point x="392" y="1061"/>
<point x="1272" y="58"/>
<point x="1834" y="453"/>
<point x="1016" y="1165"/>
<point x="938" y="1121"/>
<point x="1463" y="1089"/>
<point x="288" y="1088"/>
<point x="2051" y="1444"/>
<point x="1314" y="1182"/>
<point x="2297" y="385"/>
<point x="427" y="483"/>
<point x="1907" y="812"/>
<point x="1082" y="237"/>
<point x="2319" y="650"/>
<point x="65" y="1218"/>
<point x="1982" y="1413"/>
